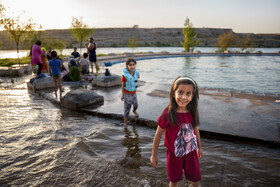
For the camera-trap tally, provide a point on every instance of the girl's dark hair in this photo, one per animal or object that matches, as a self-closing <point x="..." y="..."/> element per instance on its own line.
<point x="129" y="60"/>
<point x="85" y="55"/>
<point x="173" y="106"/>
<point x="38" y="43"/>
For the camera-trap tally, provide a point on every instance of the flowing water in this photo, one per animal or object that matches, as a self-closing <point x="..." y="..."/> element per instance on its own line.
<point x="44" y="145"/>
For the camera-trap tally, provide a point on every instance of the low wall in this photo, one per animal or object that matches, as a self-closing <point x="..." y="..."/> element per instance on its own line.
<point x="16" y="70"/>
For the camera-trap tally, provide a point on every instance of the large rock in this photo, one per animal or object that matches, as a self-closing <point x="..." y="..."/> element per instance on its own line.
<point x="43" y="83"/>
<point x="106" y="81"/>
<point x="11" y="71"/>
<point x="196" y="52"/>
<point x="40" y="84"/>
<point x="79" y="98"/>
<point x="15" y="70"/>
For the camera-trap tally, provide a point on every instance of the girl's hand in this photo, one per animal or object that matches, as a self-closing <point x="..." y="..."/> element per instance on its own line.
<point x="122" y="98"/>
<point x="199" y="152"/>
<point x="154" y="161"/>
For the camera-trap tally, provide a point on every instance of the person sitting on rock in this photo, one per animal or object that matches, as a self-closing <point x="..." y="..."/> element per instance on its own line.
<point x="72" y="62"/>
<point x="75" y="54"/>
<point x="74" y="73"/>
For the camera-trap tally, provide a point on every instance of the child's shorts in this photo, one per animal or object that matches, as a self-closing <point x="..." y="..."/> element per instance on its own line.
<point x="130" y="99"/>
<point x="84" y="70"/>
<point x="189" y="163"/>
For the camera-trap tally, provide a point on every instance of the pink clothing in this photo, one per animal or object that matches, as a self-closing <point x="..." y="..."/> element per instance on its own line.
<point x="172" y="132"/>
<point x="36" y="54"/>
<point x="188" y="163"/>
<point x="181" y="143"/>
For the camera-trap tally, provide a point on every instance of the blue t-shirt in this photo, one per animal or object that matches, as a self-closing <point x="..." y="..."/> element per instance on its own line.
<point x="55" y="66"/>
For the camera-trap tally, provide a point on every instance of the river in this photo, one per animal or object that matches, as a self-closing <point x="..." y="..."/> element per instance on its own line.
<point x="118" y="50"/>
<point x="44" y="145"/>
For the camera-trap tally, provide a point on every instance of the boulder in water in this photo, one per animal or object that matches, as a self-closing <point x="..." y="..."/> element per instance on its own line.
<point x="79" y="98"/>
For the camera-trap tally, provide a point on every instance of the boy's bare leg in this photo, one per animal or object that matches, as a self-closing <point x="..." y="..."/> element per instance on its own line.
<point x="55" y="86"/>
<point x="60" y="87"/>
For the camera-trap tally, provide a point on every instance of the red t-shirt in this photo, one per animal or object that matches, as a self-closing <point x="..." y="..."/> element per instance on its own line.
<point x="172" y="131"/>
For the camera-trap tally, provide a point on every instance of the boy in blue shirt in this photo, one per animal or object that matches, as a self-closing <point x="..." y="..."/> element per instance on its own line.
<point x="55" y="66"/>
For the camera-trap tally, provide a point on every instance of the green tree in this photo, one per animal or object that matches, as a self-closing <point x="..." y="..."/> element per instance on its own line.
<point x="17" y="29"/>
<point x="56" y="44"/>
<point x="2" y="9"/>
<point x="80" y="30"/>
<point x="246" y="42"/>
<point x="228" y="39"/>
<point x="189" y="36"/>
<point x="132" y="43"/>
<point x="135" y="26"/>
<point x="35" y="36"/>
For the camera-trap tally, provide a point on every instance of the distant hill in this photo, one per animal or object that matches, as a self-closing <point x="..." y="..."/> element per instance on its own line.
<point x="154" y="37"/>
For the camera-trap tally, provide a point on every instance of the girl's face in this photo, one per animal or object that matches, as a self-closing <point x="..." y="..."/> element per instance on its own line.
<point x="183" y="96"/>
<point x="131" y="67"/>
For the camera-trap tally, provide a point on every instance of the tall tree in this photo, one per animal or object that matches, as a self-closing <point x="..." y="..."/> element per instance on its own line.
<point x="228" y="39"/>
<point x="2" y="9"/>
<point x="246" y="42"/>
<point x="80" y="30"/>
<point x="17" y="28"/>
<point x="189" y="36"/>
<point x="132" y="43"/>
<point x="56" y="44"/>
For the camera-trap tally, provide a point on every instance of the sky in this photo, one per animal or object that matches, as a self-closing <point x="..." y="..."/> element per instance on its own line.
<point x="243" y="16"/>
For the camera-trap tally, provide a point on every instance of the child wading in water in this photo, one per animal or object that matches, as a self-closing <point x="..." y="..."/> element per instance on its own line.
<point x="180" y="120"/>
<point x="129" y="85"/>
<point x="54" y="68"/>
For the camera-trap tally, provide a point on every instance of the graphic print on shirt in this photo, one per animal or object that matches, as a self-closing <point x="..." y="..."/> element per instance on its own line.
<point x="185" y="141"/>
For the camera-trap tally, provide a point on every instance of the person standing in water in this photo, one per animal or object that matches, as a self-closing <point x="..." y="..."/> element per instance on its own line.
<point x="180" y="120"/>
<point x="129" y="86"/>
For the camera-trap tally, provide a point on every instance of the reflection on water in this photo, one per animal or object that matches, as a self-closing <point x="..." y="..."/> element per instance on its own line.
<point x="188" y="61"/>
<point x="42" y="145"/>
<point x="133" y="154"/>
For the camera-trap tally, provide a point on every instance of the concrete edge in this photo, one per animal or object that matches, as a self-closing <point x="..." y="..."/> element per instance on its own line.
<point x="206" y="134"/>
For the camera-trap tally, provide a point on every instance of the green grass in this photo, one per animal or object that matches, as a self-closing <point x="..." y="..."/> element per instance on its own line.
<point x="14" y="61"/>
<point x="26" y="60"/>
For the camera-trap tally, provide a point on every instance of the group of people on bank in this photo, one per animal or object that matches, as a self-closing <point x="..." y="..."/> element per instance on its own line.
<point x="50" y="63"/>
<point x="40" y="58"/>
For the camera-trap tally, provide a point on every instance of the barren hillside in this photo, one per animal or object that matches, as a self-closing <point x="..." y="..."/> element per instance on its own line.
<point x="118" y="37"/>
